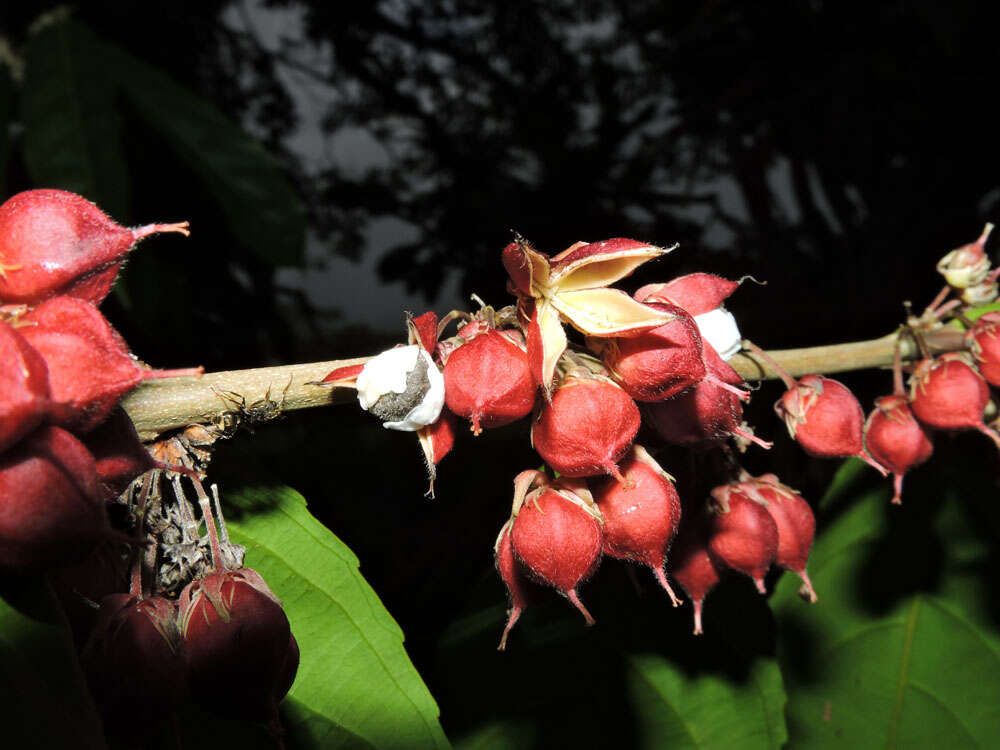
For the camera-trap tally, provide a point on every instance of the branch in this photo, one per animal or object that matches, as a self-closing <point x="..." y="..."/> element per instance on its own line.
<point x="157" y="406"/>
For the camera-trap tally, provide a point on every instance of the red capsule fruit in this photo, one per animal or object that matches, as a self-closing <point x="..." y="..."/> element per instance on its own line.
<point x="947" y="393"/>
<point x="134" y="663"/>
<point x="90" y="366"/>
<point x="240" y="652"/>
<point x="742" y="534"/>
<point x="556" y="534"/>
<point x="656" y="364"/>
<point x="692" y="567"/>
<point x="641" y="515"/>
<point x="51" y="511"/>
<point x="24" y="387"/>
<point x="698" y="293"/>
<point x="896" y="439"/>
<point x="488" y="381"/>
<point x="825" y="418"/>
<point x="710" y="412"/>
<point x="795" y="522"/>
<point x="81" y="585"/>
<point x="515" y="579"/>
<point x="821" y="414"/>
<point x="586" y="428"/>
<point x="238" y="644"/>
<point x="54" y="242"/>
<point x="983" y="340"/>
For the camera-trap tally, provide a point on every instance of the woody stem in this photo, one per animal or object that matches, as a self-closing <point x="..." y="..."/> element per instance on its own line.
<point x="157" y="406"/>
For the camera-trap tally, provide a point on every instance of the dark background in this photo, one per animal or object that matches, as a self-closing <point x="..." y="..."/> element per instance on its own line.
<point x="832" y="153"/>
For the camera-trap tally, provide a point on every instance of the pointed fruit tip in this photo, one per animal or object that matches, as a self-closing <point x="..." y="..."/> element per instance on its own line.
<point x="180" y="227"/>
<point x="806" y="590"/>
<point x="572" y="596"/>
<point x="662" y="578"/>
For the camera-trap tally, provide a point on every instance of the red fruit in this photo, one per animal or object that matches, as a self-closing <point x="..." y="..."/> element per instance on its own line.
<point x="707" y="413"/>
<point x="238" y="644"/>
<point x="90" y="366"/>
<point x="821" y="414"/>
<point x="692" y="567"/>
<point x="83" y="584"/>
<point x="742" y="535"/>
<point x="946" y="392"/>
<point x="51" y="510"/>
<point x="660" y="363"/>
<point x="436" y="441"/>
<point x="698" y="293"/>
<point x="795" y="522"/>
<point x="240" y="652"/>
<point x="513" y="575"/>
<point x="488" y="381"/>
<point x="641" y="515"/>
<point x="134" y="663"/>
<point x="119" y="454"/>
<point x="983" y="340"/>
<point x="586" y="428"/>
<point x="54" y="242"/>
<point x="24" y="387"/>
<point x="556" y="535"/>
<point x="895" y="439"/>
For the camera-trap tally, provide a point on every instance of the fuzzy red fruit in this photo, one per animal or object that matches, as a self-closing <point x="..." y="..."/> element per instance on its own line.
<point x="707" y="413"/>
<point x="660" y="363"/>
<point x="51" y="511"/>
<point x="90" y="366"/>
<point x="641" y="515"/>
<point x="514" y="578"/>
<point x="586" y="428"/>
<point x="825" y="418"/>
<point x="796" y="526"/>
<point x="895" y="439"/>
<point x="24" y="387"/>
<point x="238" y="645"/>
<point x="488" y="381"/>
<point x="134" y="663"/>
<point x="698" y="293"/>
<point x="742" y="535"/>
<point x="119" y="454"/>
<point x="983" y="340"/>
<point x="947" y="393"/>
<point x="83" y="584"/>
<point x="692" y="567"/>
<point x="558" y="541"/>
<point x="55" y="242"/>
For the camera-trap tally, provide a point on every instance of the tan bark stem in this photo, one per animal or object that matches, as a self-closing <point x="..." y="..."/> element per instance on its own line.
<point x="157" y="406"/>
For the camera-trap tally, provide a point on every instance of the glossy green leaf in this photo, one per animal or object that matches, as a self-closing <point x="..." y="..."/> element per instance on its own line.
<point x="639" y="678"/>
<point x="356" y="686"/>
<point x="72" y="132"/>
<point x="43" y="701"/>
<point x="902" y="649"/>
<point x="250" y="186"/>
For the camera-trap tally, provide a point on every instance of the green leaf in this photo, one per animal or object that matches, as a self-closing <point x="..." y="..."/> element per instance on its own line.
<point x="72" y="132"/>
<point x="901" y="650"/>
<point x="6" y="117"/>
<point x="250" y="186"/>
<point x="43" y="701"/>
<point x="356" y="686"/>
<point x="639" y="678"/>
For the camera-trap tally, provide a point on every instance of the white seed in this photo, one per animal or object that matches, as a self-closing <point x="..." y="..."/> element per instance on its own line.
<point x="718" y="327"/>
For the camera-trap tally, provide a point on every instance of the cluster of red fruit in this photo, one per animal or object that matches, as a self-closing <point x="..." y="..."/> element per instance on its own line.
<point x="67" y="453"/>
<point x="664" y="347"/>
